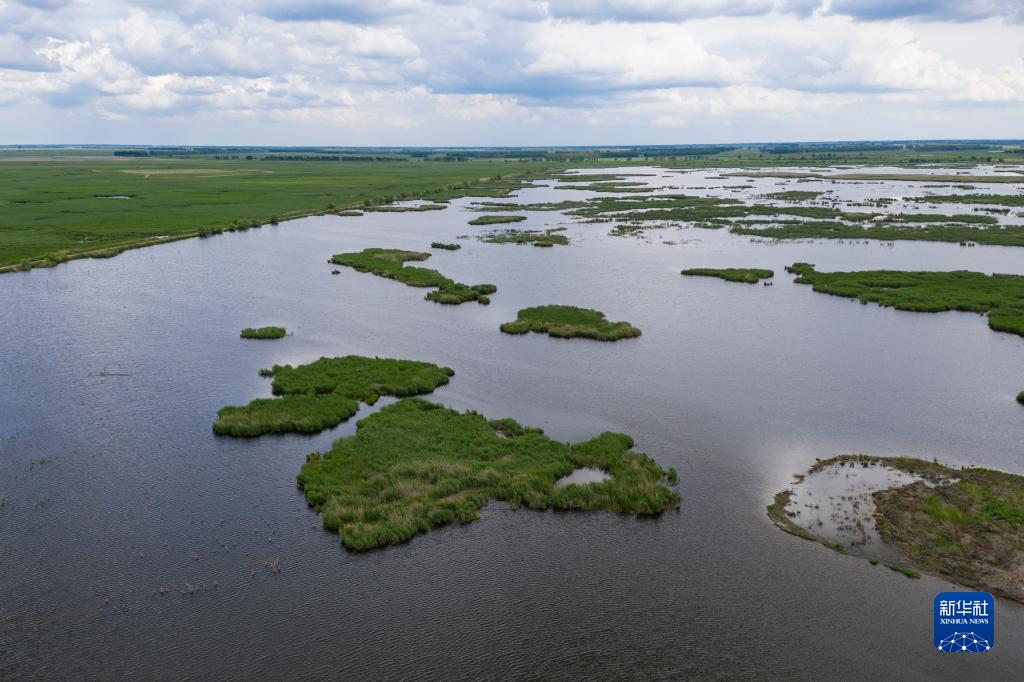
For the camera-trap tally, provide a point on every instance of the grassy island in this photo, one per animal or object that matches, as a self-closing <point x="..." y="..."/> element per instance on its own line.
<point x="263" y="333"/>
<point x="545" y="239"/>
<point x="965" y="525"/>
<point x="1001" y="297"/>
<point x="565" y="322"/>
<point x="497" y="219"/>
<point x="405" y="208"/>
<point x="793" y="195"/>
<point x="390" y="263"/>
<point x="445" y="246"/>
<point x="952" y="229"/>
<point x="416" y="465"/>
<point x="745" y="275"/>
<point x="324" y="393"/>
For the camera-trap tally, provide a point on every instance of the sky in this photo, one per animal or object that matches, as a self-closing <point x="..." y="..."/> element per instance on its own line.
<point x="507" y="73"/>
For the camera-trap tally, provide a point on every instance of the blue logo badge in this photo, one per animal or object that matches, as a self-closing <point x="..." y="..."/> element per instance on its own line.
<point x="965" y="622"/>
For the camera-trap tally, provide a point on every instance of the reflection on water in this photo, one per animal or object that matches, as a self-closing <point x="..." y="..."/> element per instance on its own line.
<point x="736" y="386"/>
<point x="582" y="476"/>
<point x="835" y="503"/>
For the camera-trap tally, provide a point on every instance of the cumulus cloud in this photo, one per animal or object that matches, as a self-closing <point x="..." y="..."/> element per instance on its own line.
<point x="632" y="66"/>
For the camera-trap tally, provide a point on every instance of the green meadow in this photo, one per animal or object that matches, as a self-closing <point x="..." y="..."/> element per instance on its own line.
<point x="56" y="208"/>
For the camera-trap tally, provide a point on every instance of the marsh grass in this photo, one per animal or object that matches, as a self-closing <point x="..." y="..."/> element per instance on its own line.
<point x="965" y="525"/>
<point x="390" y="263"/>
<point x="1001" y="297"/>
<point x="995" y="199"/>
<point x="415" y="465"/>
<point x="545" y="239"/>
<point x="445" y="246"/>
<point x="1005" y="235"/>
<point x="263" y="333"/>
<point x="745" y="275"/>
<point x="497" y="219"/>
<point x="404" y="209"/>
<point x="793" y="195"/>
<point x="324" y="393"/>
<point x="563" y="321"/>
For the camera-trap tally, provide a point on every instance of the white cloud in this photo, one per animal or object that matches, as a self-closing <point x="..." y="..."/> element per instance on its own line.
<point x="519" y="71"/>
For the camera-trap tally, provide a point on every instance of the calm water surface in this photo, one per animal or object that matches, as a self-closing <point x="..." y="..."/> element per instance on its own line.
<point x="737" y="386"/>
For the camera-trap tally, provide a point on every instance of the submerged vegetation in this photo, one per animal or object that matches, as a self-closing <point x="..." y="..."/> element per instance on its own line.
<point x="564" y="321"/>
<point x="263" y="333"/>
<point x="416" y="465"/>
<point x="964" y="525"/>
<point x="545" y="238"/>
<point x="324" y="393"/>
<point x="390" y="263"/>
<point x="745" y="275"/>
<point x="1001" y="297"/>
<point x="497" y="219"/>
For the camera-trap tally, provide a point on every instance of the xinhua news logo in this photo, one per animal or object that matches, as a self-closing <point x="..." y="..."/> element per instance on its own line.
<point x="965" y="622"/>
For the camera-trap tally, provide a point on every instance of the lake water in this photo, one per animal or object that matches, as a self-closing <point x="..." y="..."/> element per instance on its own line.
<point x="737" y="386"/>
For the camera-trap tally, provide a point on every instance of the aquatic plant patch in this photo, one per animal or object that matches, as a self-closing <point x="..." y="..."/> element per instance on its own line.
<point x="563" y="321"/>
<point x="390" y="263"/>
<point x="324" y="393"/>
<point x="415" y="465"/>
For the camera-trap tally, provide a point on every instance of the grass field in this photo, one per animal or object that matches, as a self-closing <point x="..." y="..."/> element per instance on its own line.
<point x="59" y="208"/>
<point x="62" y="203"/>
<point x="416" y="465"/>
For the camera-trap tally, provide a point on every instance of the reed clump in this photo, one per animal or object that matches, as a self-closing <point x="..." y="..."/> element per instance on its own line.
<point x="263" y="333"/>
<point x="415" y="465"/>
<point x="1000" y="297"/>
<point x="326" y="392"/>
<point x="564" y="321"/>
<point x="745" y="275"/>
<point x="390" y="263"/>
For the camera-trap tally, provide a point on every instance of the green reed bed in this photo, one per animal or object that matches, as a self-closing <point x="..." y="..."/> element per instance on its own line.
<point x="416" y="465"/>
<point x="993" y="199"/>
<point x="497" y="219"/>
<point x="406" y="209"/>
<point x="326" y="392"/>
<point x="563" y="321"/>
<point x="1008" y="235"/>
<point x="390" y="263"/>
<point x="263" y="333"/>
<point x="445" y="246"/>
<point x="1000" y="297"/>
<point x="794" y="195"/>
<point x="545" y="239"/>
<point x="745" y="275"/>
